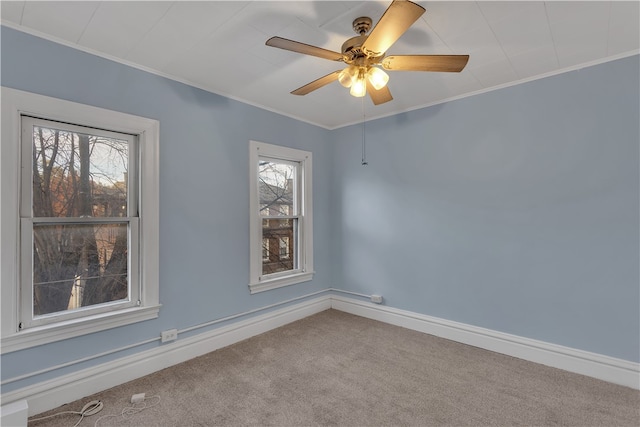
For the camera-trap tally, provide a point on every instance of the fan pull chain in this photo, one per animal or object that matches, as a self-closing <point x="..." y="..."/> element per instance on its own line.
<point x="364" y="152"/>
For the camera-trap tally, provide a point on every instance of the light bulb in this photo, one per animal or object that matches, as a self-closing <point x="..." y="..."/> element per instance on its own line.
<point x="377" y="77"/>
<point x="347" y="76"/>
<point x="359" y="87"/>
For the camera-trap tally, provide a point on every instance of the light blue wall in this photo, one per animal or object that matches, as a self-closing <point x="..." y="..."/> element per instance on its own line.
<point x="204" y="201"/>
<point x="515" y="210"/>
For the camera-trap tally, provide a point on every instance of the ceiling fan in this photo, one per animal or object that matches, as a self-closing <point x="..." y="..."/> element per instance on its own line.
<point x="365" y="54"/>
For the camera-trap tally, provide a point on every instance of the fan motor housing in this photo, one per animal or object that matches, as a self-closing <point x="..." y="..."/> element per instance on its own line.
<point x="352" y="46"/>
<point x="352" y="50"/>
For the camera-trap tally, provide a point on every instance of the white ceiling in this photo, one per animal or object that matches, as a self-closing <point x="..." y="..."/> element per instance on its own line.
<point x="220" y="46"/>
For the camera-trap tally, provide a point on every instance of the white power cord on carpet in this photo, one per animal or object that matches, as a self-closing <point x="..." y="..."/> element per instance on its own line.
<point x="87" y="410"/>
<point x="139" y="404"/>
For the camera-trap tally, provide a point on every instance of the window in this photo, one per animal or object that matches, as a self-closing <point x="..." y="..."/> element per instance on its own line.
<point x="79" y="220"/>
<point x="84" y="263"/>
<point x="281" y="230"/>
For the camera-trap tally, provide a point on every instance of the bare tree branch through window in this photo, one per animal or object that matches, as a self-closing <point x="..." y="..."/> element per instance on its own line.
<point x="82" y="176"/>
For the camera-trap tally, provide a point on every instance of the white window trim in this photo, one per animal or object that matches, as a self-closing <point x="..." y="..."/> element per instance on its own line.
<point x="258" y="282"/>
<point x="14" y="104"/>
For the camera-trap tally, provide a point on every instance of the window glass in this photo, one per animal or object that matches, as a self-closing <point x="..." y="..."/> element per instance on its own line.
<point x="277" y="187"/>
<point x="275" y="233"/>
<point x="77" y="266"/>
<point x="78" y="175"/>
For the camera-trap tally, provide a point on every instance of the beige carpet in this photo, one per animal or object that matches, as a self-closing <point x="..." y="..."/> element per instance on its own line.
<point x="334" y="368"/>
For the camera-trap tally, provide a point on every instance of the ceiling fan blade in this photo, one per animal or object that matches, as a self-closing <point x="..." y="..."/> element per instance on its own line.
<point x="379" y="96"/>
<point x="447" y="63"/>
<point x="303" y="48"/>
<point x="397" y="19"/>
<point x="317" y="84"/>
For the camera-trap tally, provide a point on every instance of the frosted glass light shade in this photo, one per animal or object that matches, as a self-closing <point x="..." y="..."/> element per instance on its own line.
<point x="377" y="78"/>
<point x="347" y="76"/>
<point x="359" y="87"/>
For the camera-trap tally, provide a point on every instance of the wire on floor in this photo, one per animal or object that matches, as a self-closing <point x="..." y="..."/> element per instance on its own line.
<point x="87" y="410"/>
<point x="129" y="411"/>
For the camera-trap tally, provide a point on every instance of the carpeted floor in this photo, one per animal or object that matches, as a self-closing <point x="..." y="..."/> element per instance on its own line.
<point x="334" y="368"/>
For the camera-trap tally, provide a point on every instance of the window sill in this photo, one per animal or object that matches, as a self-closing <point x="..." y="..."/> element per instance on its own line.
<point x="265" y="285"/>
<point x="72" y="328"/>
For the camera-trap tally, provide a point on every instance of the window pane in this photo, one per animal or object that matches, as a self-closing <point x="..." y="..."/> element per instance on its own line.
<point x="78" y="175"/>
<point x="278" y="246"/>
<point x="78" y="265"/>
<point x="276" y="185"/>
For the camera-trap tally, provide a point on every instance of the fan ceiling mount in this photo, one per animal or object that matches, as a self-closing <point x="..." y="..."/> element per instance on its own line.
<point x="365" y="55"/>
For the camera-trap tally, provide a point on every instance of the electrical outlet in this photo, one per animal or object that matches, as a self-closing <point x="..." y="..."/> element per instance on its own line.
<point x="376" y="298"/>
<point x="170" y="335"/>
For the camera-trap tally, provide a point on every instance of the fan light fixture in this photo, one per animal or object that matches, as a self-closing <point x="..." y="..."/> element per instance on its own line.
<point x="366" y="56"/>
<point x="359" y="86"/>
<point x="347" y="76"/>
<point x="377" y="77"/>
<point x="356" y="78"/>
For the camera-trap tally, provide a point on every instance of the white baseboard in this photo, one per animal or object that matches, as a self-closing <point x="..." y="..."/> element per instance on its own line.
<point x="594" y="365"/>
<point x="51" y="394"/>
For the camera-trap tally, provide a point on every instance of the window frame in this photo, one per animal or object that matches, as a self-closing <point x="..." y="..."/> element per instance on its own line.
<point x="303" y="159"/>
<point x="14" y="222"/>
<point x="29" y="222"/>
